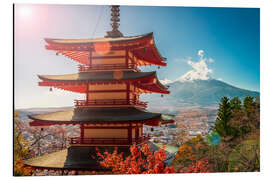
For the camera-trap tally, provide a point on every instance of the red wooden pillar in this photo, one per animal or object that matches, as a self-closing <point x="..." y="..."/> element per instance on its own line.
<point x="126" y="57"/>
<point x="130" y="134"/>
<point x="90" y="55"/>
<point x="137" y="133"/>
<point x="87" y="93"/>
<point x="132" y="61"/>
<point x="141" y="130"/>
<point x="134" y="93"/>
<point x="128" y="91"/>
<point x="82" y="133"/>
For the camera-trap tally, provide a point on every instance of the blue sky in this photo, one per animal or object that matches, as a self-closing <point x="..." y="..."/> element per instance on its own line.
<point x="221" y="43"/>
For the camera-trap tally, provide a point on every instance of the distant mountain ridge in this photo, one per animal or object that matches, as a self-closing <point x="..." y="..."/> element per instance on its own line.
<point x="184" y="96"/>
<point x="201" y="93"/>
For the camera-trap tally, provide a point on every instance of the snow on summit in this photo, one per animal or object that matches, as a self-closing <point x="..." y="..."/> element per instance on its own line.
<point x="199" y="71"/>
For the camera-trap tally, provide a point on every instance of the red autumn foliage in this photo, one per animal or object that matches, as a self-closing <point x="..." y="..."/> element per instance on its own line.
<point x="200" y="166"/>
<point x="20" y="169"/>
<point x="141" y="161"/>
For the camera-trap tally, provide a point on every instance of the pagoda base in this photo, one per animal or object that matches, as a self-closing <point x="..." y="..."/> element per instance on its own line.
<point x="80" y="158"/>
<point x="83" y="159"/>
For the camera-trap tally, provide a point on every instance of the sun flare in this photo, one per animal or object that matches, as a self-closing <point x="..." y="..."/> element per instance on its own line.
<point x="25" y="12"/>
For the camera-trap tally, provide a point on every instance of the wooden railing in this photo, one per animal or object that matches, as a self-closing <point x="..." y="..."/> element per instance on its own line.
<point x="110" y="102"/>
<point x="108" y="141"/>
<point x="83" y="68"/>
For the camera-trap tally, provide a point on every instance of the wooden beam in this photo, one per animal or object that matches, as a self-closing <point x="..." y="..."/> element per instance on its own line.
<point x="104" y="91"/>
<point x="108" y="57"/>
<point x="106" y="127"/>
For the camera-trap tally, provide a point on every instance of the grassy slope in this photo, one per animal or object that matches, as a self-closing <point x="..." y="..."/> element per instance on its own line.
<point x="171" y="149"/>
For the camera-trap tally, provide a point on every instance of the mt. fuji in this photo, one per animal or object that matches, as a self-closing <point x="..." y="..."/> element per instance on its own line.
<point x="201" y="93"/>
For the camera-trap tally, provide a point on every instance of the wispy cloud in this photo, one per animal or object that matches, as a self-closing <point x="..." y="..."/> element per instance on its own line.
<point x="166" y="81"/>
<point x="211" y="60"/>
<point x="183" y="60"/>
<point x="199" y="71"/>
<point x="201" y="53"/>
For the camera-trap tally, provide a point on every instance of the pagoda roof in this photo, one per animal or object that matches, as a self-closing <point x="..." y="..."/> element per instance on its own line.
<point x="99" y="115"/>
<point x="96" y="115"/>
<point x="95" y="40"/>
<point x="74" y="82"/>
<point x="142" y="47"/>
<point x="97" y="76"/>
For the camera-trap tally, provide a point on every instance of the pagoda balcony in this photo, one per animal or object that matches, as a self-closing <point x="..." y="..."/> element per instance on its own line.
<point x="108" y="67"/>
<point x="107" y="141"/>
<point x="110" y="102"/>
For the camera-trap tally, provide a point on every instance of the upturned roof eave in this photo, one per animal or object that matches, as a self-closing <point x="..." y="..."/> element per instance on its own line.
<point x="136" y="115"/>
<point x="93" y="75"/>
<point x="97" y="40"/>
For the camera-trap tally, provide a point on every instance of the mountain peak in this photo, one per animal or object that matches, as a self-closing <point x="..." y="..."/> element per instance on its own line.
<point x="199" y="71"/>
<point x="187" y="78"/>
<point x="198" y="92"/>
<point x="191" y="76"/>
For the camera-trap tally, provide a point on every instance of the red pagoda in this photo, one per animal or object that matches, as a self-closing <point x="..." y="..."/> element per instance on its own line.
<point x="111" y="113"/>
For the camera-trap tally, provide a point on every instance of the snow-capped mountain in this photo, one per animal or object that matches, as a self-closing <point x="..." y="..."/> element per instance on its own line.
<point x="184" y="93"/>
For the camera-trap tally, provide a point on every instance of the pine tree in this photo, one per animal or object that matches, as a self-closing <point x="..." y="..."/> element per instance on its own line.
<point x="224" y="115"/>
<point x="236" y="104"/>
<point x="248" y="104"/>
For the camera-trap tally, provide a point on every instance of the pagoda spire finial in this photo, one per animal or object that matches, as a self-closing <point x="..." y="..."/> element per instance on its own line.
<point x="115" y="13"/>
